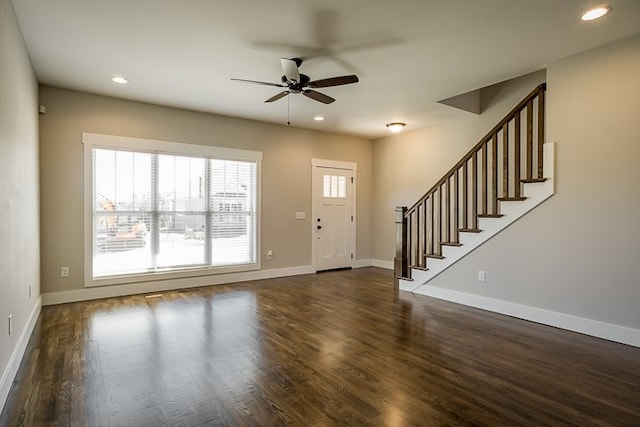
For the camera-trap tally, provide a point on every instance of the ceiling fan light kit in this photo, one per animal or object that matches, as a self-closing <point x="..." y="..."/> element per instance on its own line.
<point x="395" y="127"/>
<point x="295" y="82"/>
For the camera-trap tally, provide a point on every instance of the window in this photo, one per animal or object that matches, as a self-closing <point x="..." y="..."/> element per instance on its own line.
<point x="157" y="207"/>
<point x="334" y="186"/>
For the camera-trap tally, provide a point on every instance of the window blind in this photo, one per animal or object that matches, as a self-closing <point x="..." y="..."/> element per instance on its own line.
<point x="158" y="212"/>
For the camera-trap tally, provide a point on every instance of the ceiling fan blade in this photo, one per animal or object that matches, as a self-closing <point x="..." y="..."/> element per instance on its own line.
<point x="290" y="68"/>
<point x="278" y="96"/>
<point x="334" y="81"/>
<point x="255" y="82"/>
<point x="320" y="97"/>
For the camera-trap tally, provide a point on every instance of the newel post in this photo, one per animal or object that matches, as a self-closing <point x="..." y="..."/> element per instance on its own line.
<point x="400" y="262"/>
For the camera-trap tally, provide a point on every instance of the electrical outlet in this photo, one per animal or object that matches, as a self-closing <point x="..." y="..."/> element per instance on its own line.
<point x="269" y="254"/>
<point x="64" y="271"/>
<point x="482" y="276"/>
<point x="10" y="325"/>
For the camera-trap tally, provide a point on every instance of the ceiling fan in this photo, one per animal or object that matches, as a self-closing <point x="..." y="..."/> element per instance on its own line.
<point x="295" y="82"/>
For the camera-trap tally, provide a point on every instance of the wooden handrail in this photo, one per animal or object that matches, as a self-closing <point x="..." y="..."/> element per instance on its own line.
<point x="479" y="145"/>
<point x="434" y="220"/>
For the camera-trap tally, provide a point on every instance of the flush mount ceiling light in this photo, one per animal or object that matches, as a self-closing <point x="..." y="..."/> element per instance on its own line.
<point x="395" y="127"/>
<point x="595" y="13"/>
<point x="120" y="80"/>
<point x="318" y="118"/>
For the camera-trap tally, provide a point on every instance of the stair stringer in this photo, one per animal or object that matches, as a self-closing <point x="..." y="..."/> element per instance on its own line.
<point x="535" y="193"/>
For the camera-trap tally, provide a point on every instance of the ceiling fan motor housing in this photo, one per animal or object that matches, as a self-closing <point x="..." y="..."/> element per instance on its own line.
<point x="296" y="87"/>
<point x="295" y="82"/>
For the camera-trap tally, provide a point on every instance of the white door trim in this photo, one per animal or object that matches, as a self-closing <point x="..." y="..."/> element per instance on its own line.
<point x="335" y="164"/>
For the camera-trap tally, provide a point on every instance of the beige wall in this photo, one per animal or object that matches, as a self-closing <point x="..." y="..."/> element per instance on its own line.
<point x="286" y="173"/>
<point x="578" y="252"/>
<point x="19" y="234"/>
<point x="407" y="164"/>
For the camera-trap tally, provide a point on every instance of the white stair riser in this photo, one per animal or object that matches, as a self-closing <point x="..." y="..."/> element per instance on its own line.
<point x="535" y="194"/>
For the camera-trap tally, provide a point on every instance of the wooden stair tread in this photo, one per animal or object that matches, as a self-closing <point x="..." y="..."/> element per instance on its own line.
<point x="486" y="175"/>
<point x="511" y="199"/>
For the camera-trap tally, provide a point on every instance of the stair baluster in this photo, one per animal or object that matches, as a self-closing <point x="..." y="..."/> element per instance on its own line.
<point x="434" y="221"/>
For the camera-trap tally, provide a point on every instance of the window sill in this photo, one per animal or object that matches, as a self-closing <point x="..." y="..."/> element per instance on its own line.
<point x="91" y="282"/>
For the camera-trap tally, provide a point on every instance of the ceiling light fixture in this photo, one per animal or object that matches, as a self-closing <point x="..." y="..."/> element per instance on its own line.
<point x="318" y="118"/>
<point x="395" y="127"/>
<point x="120" y="80"/>
<point x="595" y="13"/>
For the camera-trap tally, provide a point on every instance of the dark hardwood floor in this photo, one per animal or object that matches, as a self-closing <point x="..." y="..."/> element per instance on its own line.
<point x="333" y="349"/>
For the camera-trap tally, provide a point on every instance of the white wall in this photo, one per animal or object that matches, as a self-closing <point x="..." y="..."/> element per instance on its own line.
<point x="577" y="253"/>
<point x="19" y="224"/>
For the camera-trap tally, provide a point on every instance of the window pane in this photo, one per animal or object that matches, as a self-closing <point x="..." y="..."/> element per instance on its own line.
<point x="122" y="185"/>
<point x="122" y="180"/>
<point x="121" y="244"/>
<point x="232" y="202"/>
<point x="166" y="212"/>
<point x="342" y="187"/>
<point x="182" y="244"/>
<point x="181" y="183"/>
<point x="334" y="186"/>
<point x="326" y="186"/>
<point x="231" y="241"/>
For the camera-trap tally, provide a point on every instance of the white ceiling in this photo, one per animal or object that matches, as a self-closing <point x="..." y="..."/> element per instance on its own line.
<point x="408" y="54"/>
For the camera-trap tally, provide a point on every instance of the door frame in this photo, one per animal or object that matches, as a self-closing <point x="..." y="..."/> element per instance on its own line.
<point x="334" y="164"/>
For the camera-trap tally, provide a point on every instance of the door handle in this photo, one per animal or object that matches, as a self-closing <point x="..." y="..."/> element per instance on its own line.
<point x="319" y="227"/>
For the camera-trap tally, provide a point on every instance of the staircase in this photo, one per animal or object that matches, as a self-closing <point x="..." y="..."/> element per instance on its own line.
<point x="505" y="175"/>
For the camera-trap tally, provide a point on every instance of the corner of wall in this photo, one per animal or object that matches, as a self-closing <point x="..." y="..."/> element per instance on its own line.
<point x="6" y="381"/>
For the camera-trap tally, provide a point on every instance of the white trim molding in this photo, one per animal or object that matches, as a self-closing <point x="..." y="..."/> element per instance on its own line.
<point x="92" y="141"/>
<point x="334" y="164"/>
<point x="86" y="294"/>
<point x="382" y="264"/>
<point x="595" y="328"/>
<point x="9" y="373"/>
<point x="361" y="263"/>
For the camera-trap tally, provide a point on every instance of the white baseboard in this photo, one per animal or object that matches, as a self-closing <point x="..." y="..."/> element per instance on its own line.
<point x="361" y="263"/>
<point x="109" y="291"/>
<point x="18" y="352"/>
<point x="382" y="264"/>
<point x="595" y="328"/>
<point x="373" y="263"/>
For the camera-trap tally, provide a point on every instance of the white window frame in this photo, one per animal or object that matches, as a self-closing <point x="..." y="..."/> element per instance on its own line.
<point x="92" y="140"/>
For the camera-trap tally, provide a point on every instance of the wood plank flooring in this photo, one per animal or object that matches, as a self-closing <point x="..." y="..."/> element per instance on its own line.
<point x="333" y="349"/>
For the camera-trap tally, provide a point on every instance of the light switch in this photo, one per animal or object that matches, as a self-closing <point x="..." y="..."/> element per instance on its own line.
<point x="301" y="215"/>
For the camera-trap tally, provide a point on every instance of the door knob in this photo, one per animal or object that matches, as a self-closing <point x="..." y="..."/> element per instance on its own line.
<point x="319" y="227"/>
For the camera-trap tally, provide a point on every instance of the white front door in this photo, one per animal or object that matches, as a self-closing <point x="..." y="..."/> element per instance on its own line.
<point x="333" y="217"/>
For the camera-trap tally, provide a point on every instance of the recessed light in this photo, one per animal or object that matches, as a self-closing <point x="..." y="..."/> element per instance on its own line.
<point x="318" y="118"/>
<point x="120" y="80"/>
<point x="395" y="127"/>
<point x="595" y="13"/>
